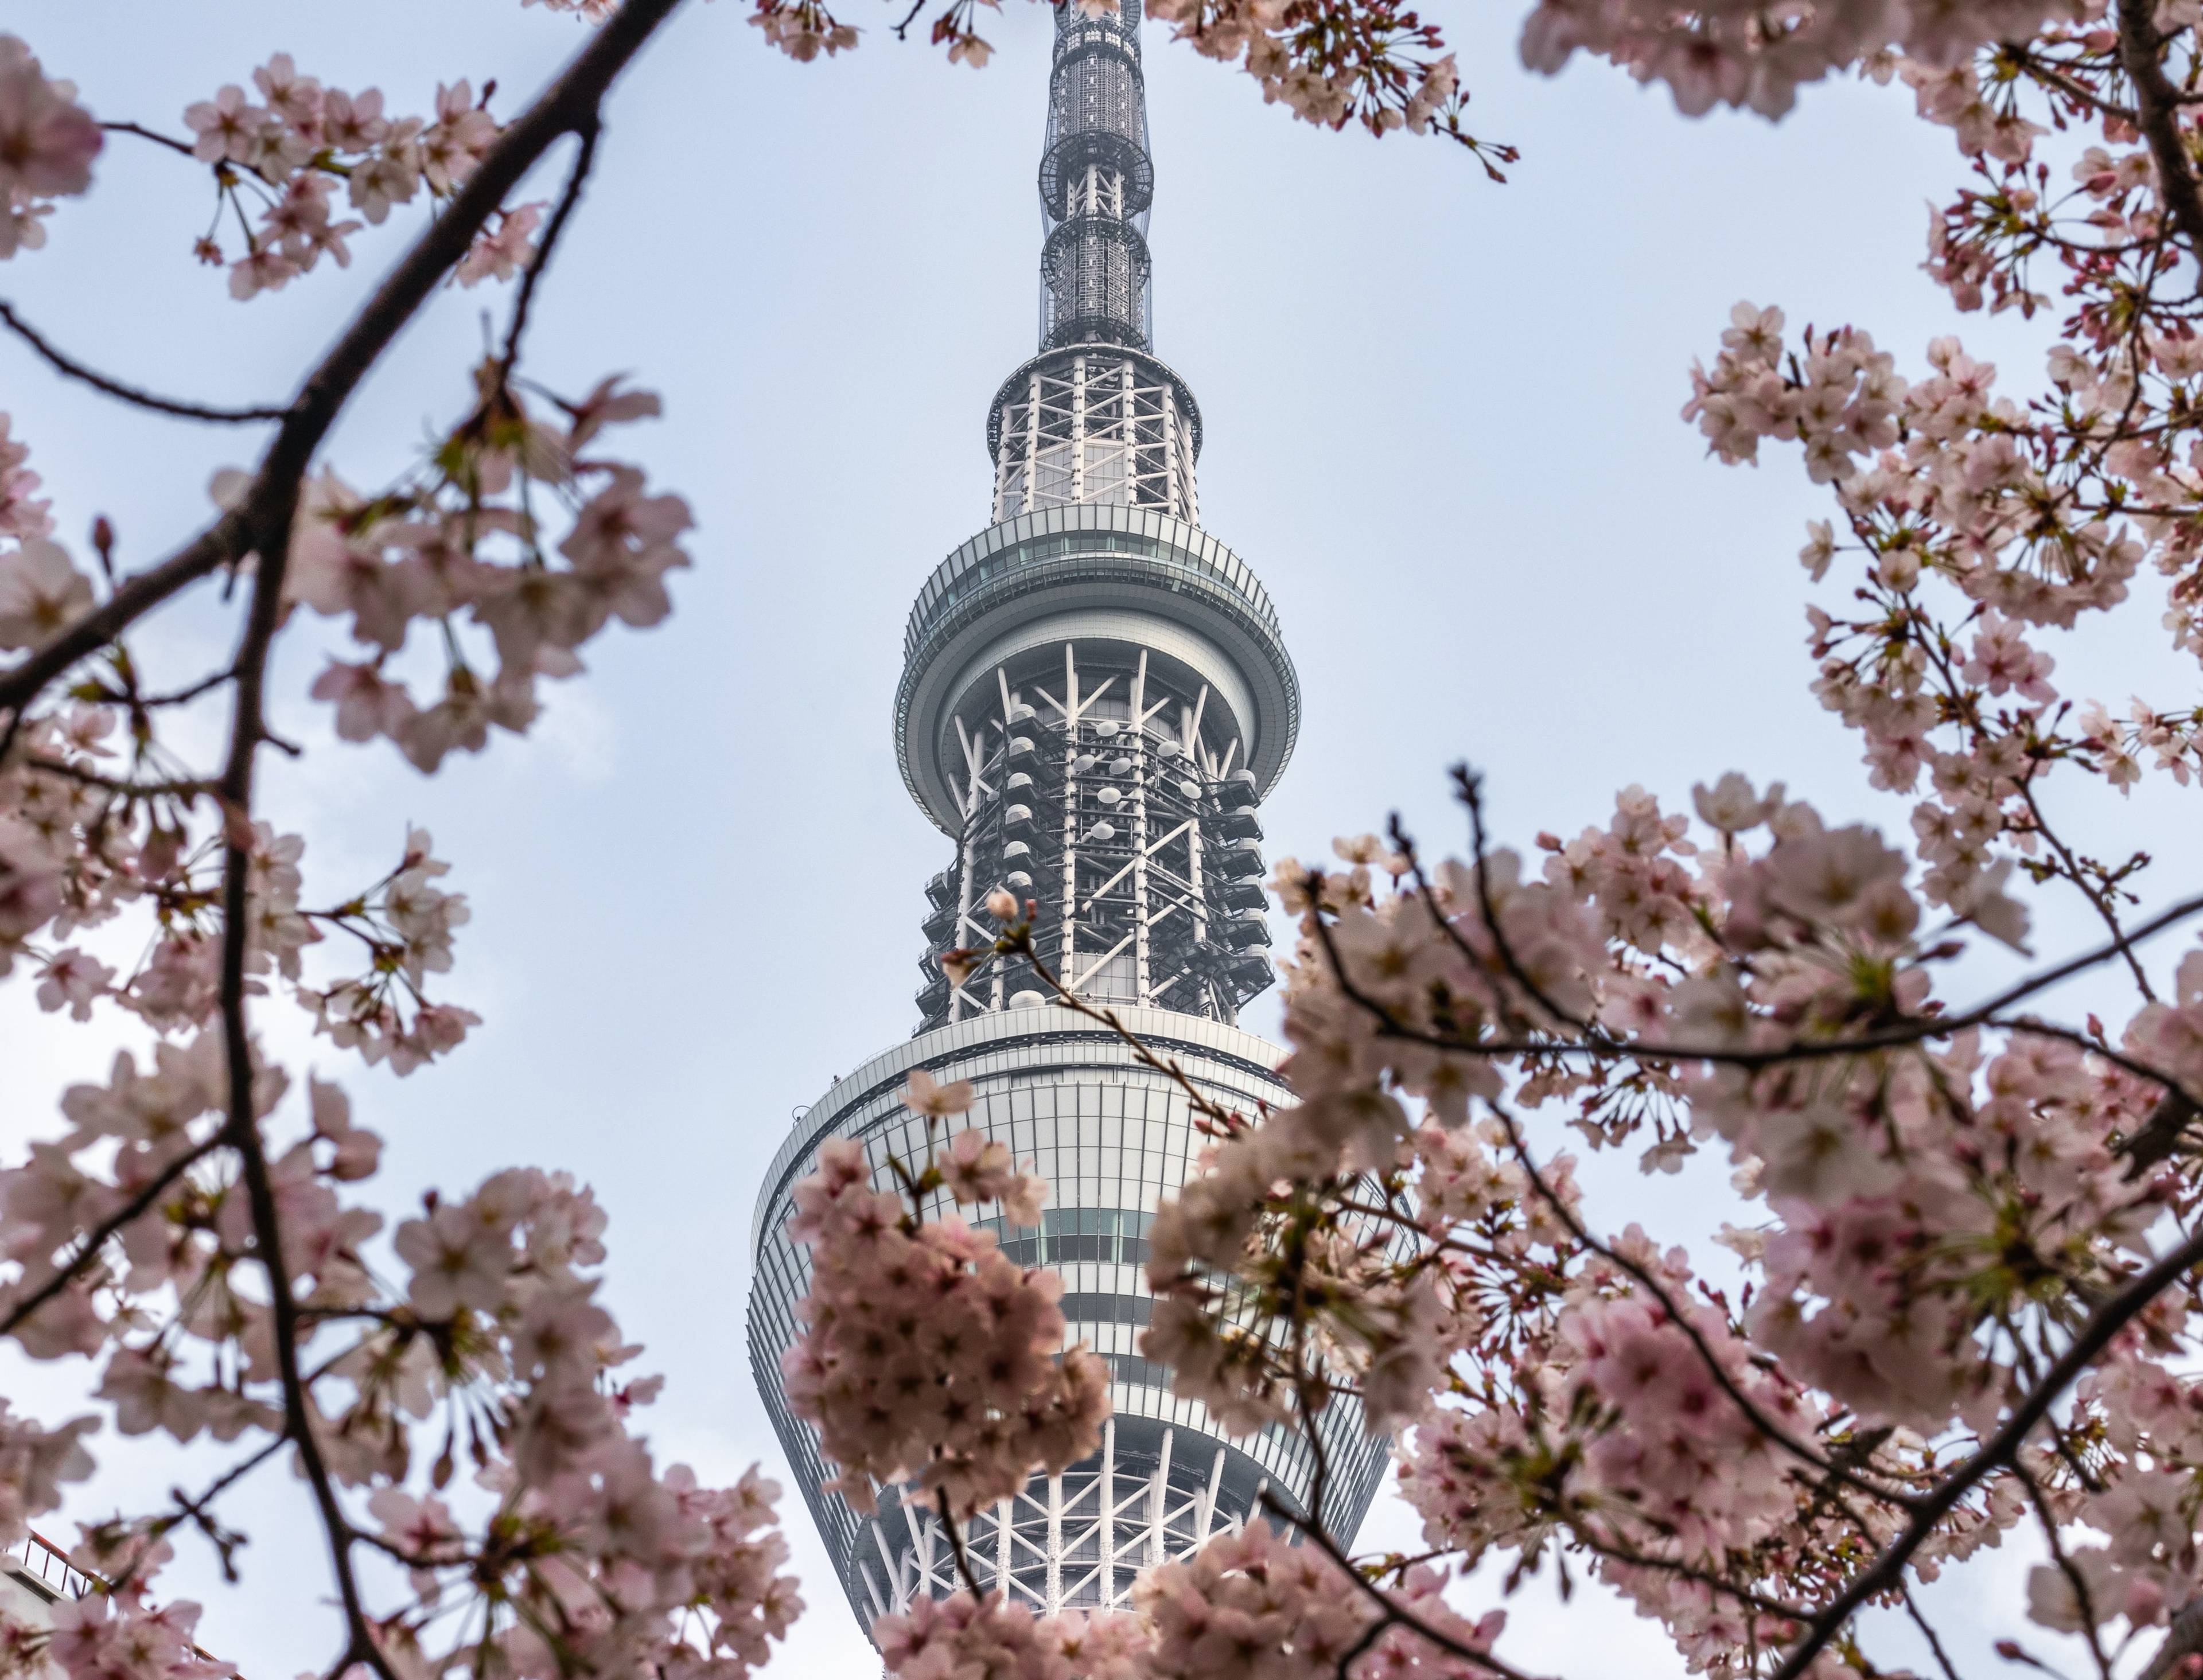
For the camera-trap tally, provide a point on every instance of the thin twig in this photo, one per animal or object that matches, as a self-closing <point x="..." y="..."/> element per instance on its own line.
<point x="575" y="180"/>
<point x="956" y="1544"/>
<point x="1873" y="1488"/>
<point x="1928" y="1632"/>
<point x="264" y="526"/>
<point x="2098" y="901"/>
<point x="72" y="368"/>
<point x="189" y="788"/>
<point x="2084" y="1601"/>
<point x="1705" y="1577"/>
<point x="1386" y="1605"/>
<point x="158" y="139"/>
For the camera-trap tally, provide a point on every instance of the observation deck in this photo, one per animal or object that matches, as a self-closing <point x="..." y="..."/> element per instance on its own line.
<point x="1115" y="579"/>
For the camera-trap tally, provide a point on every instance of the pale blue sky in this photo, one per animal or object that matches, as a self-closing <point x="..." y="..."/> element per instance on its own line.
<point x="1441" y="424"/>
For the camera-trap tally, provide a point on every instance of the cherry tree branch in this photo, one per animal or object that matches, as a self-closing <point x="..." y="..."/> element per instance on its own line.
<point x="98" y="1235"/>
<point x="1389" y="1608"/>
<point x="2182" y="1640"/>
<point x="1931" y="1507"/>
<point x="158" y="139"/>
<point x="70" y="368"/>
<point x="1018" y="941"/>
<point x="2099" y="898"/>
<point x="2157" y="106"/>
<point x="1873" y="1488"/>
<point x="261" y="524"/>
<point x="186" y="788"/>
<point x="569" y="104"/>
<point x="1597" y="1040"/>
<point x="2083" y="1599"/>
<point x="1928" y="1632"/>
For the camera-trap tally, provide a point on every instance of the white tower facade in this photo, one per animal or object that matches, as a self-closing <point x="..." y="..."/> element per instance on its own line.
<point x="1094" y="699"/>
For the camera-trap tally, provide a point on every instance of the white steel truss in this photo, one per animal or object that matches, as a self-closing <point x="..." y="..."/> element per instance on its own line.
<point x="1093" y="425"/>
<point x="1116" y="802"/>
<point x="1072" y="1540"/>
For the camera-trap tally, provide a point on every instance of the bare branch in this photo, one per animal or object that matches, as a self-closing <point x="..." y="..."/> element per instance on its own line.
<point x="584" y="159"/>
<point x="72" y="369"/>
<point x="158" y="139"/>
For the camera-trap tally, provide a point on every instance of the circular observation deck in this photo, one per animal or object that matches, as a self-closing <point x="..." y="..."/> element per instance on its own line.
<point x="1089" y="571"/>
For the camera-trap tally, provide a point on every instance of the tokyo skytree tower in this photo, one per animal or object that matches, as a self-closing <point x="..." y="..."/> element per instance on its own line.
<point x="1094" y="698"/>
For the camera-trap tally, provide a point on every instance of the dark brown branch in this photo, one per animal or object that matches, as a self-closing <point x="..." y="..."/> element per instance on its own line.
<point x="2157" y="102"/>
<point x="1928" y="1632"/>
<point x="72" y="369"/>
<point x="1597" y="1040"/>
<point x="1705" y="1577"/>
<point x="1019" y="940"/>
<point x="187" y="789"/>
<point x="956" y="1544"/>
<point x="2084" y="1601"/>
<point x="1888" y="1570"/>
<point x="216" y="546"/>
<point x="2099" y="898"/>
<point x="264" y="526"/>
<point x="2182" y="1640"/>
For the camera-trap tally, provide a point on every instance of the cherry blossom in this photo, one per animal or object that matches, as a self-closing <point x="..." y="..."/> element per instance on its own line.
<point x="926" y="1355"/>
<point x="47" y="144"/>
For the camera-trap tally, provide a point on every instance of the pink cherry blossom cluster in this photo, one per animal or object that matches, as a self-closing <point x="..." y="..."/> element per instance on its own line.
<point x="464" y="540"/>
<point x="81" y="846"/>
<point x="282" y="156"/>
<point x="47" y="143"/>
<point x="926" y="1353"/>
<point x="1728" y="54"/>
<point x="1246" y="1606"/>
<point x="22" y="518"/>
<point x="1380" y="66"/>
<point x="405" y="922"/>
<point x="583" y="1557"/>
<point x="594" y="1559"/>
<point x="1917" y="1197"/>
<point x="1976" y="533"/>
<point x="194" y="1236"/>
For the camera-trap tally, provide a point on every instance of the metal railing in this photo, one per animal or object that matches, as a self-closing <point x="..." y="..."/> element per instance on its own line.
<point x="45" y="1569"/>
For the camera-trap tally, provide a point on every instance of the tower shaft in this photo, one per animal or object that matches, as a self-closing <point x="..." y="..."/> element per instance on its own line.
<point x="1095" y="697"/>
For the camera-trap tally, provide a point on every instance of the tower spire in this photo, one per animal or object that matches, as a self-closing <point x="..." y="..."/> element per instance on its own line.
<point x="1097" y="181"/>
<point x="1095" y="417"/>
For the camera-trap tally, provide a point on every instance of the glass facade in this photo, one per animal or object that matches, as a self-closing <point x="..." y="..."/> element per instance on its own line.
<point x="1111" y="1137"/>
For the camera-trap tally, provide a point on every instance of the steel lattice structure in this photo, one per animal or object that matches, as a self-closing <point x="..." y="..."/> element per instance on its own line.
<point x="1094" y="699"/>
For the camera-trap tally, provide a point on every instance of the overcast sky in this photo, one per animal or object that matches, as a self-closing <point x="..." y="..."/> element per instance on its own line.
<point x="1441" y="424"/>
